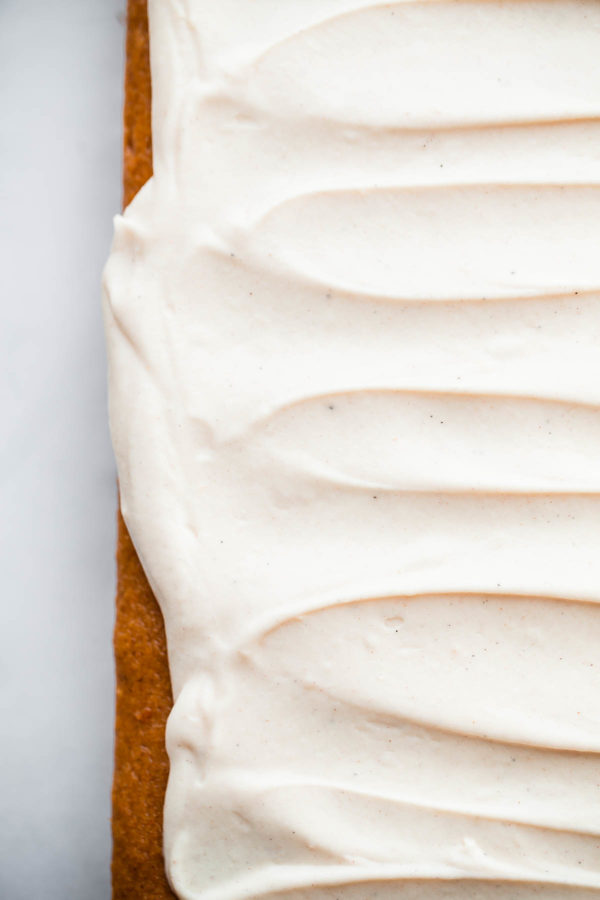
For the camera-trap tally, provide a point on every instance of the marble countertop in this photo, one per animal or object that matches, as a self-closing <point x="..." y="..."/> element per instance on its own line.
<point x="61" y="70"/>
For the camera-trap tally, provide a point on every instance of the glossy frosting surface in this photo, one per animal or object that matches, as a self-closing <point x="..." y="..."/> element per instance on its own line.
<point x="354" y="339"/>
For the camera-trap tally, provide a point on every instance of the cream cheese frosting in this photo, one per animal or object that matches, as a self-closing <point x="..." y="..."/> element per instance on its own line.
<point x="353" y="327"/>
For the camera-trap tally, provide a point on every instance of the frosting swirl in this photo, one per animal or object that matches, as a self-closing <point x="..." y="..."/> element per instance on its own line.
<point x="353" y="326"/>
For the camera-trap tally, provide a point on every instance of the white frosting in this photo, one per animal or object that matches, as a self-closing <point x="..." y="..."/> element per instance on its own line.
<point x="354" y="336"/>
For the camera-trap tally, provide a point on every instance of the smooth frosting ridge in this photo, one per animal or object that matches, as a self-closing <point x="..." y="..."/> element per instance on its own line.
<point x="354" y="338"/>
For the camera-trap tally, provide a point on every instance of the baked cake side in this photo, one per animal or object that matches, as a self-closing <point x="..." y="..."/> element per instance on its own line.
<point x="143" y="698"/>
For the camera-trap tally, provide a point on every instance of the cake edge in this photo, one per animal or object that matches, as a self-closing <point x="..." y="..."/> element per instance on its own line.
<point x="143" y="687"/>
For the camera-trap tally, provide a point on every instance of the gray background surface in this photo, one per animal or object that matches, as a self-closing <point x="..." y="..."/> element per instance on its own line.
<point x="61" y="67"/>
